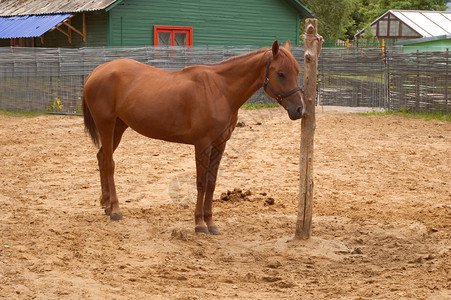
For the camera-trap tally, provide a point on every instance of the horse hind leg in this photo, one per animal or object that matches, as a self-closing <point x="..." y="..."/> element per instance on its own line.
<point x="105" y="202"/>
<point x="105" y="196"/>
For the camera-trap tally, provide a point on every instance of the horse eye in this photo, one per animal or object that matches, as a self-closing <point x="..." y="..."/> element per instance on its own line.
<point x="281" y="75"/>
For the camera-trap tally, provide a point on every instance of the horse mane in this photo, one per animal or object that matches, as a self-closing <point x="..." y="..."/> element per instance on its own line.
<point x="236" y="57"/>
<point x="286" y="52"/>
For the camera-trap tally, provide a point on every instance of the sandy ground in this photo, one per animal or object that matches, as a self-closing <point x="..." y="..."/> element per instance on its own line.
<point x="382" y="213"/>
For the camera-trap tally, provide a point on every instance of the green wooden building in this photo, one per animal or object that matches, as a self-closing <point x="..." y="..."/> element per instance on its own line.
<point x="150" y="22"/>
<point x="429" y="44"/>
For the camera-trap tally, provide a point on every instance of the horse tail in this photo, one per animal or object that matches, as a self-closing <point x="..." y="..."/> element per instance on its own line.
<point x="90" y="126"/>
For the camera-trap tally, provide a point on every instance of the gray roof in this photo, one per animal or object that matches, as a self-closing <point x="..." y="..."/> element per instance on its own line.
<point x="41" y="7"/>
<point x="44" y="7"/>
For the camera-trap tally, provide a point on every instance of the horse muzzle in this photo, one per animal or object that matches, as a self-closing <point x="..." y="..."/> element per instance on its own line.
<point x="296" y="113"/>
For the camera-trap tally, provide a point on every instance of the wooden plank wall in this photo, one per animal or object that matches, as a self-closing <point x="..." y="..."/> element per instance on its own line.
<point x="227" y="23"/>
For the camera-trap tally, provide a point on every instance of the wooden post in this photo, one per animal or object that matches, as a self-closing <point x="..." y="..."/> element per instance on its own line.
<point x="84" y="27"/>
<point x="312" y="48"/>
<point x="69" y="30"/>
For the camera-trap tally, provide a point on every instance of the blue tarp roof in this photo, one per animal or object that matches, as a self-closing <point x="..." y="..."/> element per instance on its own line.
<point x="29" y="26"/>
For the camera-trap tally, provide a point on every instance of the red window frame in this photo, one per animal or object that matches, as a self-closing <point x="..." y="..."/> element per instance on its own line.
<point x="172" y="30"/>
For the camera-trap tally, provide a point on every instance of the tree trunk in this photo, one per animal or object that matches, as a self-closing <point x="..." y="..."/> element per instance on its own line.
<point x="312" y="48"/>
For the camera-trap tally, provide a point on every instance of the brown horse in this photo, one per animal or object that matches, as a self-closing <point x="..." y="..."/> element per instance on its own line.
<point x="197" y="105"/>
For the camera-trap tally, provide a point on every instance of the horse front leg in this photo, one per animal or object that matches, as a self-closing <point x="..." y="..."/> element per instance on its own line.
<point x="202" y="164"/>
<point x="213" y="166"/>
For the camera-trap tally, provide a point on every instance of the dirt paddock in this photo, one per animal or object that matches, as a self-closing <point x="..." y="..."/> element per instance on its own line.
<point x="382" y="213"/>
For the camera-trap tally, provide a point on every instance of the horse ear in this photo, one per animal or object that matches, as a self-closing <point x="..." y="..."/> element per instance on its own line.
<point x="275" y="48"/>
<point x="287" y="45"/>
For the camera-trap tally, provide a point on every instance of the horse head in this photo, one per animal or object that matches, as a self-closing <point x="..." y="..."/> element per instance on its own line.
<point x="281" y="82"/>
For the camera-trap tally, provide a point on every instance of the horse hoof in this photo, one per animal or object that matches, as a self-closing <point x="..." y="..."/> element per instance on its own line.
<point x="213" y="230"/>
<point x="107" y="211"/>
<point x="116" y="217"/>
<point x="199" y="229"/>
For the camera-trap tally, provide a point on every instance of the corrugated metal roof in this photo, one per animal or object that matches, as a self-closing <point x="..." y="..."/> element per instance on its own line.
<point x="29" y="26"/>
<point x="42" y="7"/>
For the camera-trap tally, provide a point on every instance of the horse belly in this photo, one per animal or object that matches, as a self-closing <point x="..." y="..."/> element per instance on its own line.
<point x="160" y="121"/>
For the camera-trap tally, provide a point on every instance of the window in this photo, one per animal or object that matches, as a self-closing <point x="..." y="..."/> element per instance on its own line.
<point x="394" y="28"/>
<point x="383" y="26"/>
<point x="173" y="36"/>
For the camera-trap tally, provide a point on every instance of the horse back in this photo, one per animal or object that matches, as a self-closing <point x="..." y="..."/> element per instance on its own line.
<point x="178" y="106"/>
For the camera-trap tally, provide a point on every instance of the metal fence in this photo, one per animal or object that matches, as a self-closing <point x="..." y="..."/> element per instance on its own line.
<point x="49" y="79"/>
<point x="357" y="43"/>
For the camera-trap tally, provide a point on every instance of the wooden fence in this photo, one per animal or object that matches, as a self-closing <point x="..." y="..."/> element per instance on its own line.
<point x="40" y="79"/>
<point x="352" y="77"/>
<point x="389" y="79"/>
<point x="420" y="81"/>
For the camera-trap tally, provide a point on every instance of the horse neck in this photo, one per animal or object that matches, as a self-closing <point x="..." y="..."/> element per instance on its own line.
<point x="243" y="76"/>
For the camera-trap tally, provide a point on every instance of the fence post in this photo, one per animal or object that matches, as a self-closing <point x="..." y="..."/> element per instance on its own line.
<point x="387" y="80"/>
<point x="446" y="81"/>
<point x="312" y="48"/>
<point x="417" y="88"/>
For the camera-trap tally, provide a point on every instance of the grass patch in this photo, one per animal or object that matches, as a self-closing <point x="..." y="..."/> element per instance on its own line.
<point x="259" y="105"/>
<point x="408" y="114"/>
<point x="21" y="113"/>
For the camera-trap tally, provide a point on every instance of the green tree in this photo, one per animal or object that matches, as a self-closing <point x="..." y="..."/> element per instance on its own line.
<point x="334" y="17"/>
